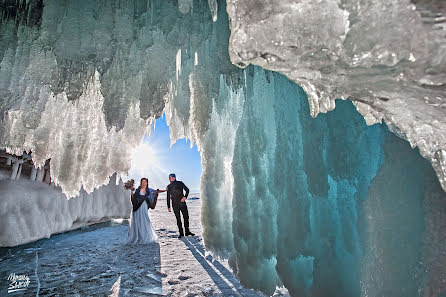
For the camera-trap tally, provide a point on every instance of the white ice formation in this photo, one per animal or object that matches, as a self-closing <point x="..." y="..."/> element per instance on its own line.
<point x="31" y="210"/>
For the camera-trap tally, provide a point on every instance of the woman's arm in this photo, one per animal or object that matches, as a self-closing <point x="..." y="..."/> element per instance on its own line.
<point x="131" y="193"/>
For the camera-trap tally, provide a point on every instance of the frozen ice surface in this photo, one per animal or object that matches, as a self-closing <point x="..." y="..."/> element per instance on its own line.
<point x="95" y="262"/>
<point x="32" y="210"/>
<point x="388" y="57"/>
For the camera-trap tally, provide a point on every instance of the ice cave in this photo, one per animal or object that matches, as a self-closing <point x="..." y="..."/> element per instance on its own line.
<point x="321" y="127"/>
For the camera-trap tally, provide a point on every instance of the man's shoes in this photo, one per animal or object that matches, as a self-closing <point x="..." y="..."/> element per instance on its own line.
<point x="190" y="233"/>
<point x="181" y="235"/>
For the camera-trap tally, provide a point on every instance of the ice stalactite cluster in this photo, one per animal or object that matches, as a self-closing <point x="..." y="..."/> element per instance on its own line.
<point x="388" y="57"/>
<point x="324" y="206"/>
<point x="329" y="204"/>
<point x="65" y="131"/>
<point x="81" y="81"/>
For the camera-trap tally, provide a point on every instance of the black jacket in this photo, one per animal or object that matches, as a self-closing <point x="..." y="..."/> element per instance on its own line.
<point x="175" y="192"/>
<point x="138" y="199"/>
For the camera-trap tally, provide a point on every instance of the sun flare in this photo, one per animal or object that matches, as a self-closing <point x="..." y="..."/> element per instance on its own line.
<point x="144" y="157"/>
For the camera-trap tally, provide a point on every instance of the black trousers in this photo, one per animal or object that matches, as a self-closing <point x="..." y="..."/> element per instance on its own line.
<point x="181" y="207"/>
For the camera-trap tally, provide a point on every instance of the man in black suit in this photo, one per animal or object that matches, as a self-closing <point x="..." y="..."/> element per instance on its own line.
<point x="175" y="192"/>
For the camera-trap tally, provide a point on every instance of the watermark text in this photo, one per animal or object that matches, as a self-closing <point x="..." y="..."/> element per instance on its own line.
<point x="17" y="282"/>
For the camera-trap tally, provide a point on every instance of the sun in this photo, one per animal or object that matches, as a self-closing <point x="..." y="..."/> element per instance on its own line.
<point x="143" y="157"/>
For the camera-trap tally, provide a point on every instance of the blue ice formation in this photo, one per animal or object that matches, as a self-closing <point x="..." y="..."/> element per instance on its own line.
<point x="329" y="206"/>
<point x="324" y="206"/>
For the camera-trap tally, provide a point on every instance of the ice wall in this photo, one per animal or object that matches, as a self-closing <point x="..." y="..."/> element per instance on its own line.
<point x="388" y="57"/>
<point x="324" y="206"/>
<point x="329" y="206"/>
<point x="32" y="210"/>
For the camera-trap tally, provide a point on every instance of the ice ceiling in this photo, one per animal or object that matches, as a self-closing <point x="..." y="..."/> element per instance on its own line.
<point x="388" y="57"/>
<point x="319" y="205"/>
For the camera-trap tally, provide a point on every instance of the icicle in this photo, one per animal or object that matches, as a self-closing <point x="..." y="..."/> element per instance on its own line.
<point x="196" y="59"/>
<point x="178" y="64"/>
<point x="151" y="12"/>
<point x="213" y="6"/>
<point x="19" y="172"/>
<point x="15" y="168"/>
<point x="40" y="174"/>
<point x="47" y="176"/>
<point x="33" y="174"/>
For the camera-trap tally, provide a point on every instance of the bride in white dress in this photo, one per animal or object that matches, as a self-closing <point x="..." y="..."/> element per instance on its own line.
<point x="140" y="228"/>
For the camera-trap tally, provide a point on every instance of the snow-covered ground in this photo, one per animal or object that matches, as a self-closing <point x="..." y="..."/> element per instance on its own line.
<point x="93" y="261"/>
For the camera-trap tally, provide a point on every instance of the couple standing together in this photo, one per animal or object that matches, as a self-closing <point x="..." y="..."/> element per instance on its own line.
<point x="140" y="229"/>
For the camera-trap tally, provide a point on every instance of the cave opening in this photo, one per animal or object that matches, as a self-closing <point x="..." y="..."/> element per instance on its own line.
<point x="318" y="205"/>
<point x="157" y="156"/>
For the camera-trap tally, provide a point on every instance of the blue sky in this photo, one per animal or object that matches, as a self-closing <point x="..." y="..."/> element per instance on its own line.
<point x="156" y="159"/>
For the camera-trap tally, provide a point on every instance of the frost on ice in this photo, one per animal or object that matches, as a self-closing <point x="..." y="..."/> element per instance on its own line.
<point x="318" y="205"/>
<point x="82" y="81"/>
<point x="31" y="210"/>
<point x="388" y="57"/>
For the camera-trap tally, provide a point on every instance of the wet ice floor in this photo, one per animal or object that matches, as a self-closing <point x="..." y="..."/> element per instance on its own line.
<point x="94" y="262"/>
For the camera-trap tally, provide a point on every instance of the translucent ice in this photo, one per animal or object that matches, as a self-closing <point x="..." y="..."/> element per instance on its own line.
<point x="388" y="57"/>
<point x="329" y="204"/>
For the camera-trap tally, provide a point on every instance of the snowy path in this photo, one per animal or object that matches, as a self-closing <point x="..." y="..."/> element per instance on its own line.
<point x="94" y="262"/>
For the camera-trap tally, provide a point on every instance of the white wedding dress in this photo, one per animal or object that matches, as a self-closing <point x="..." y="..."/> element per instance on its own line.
<point x="140" y="228"/>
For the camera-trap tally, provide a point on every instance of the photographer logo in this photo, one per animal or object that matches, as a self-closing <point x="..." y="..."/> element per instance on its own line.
<point x="17" y="282"/>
